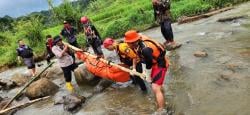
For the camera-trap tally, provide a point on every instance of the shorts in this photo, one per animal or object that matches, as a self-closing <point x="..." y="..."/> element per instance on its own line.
<point x="158" y="74"/>
<point x="29" y="62"/>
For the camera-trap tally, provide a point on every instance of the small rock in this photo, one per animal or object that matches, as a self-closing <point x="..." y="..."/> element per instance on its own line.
<point x="200" y="54"/>
<point x="41" y="88"/>
<point x="71" y="103"/>
<point x="102" y="85"/>
<point x="19" y="79"/>
<point x="7" y="84"/>
<point x="227" y="75"/>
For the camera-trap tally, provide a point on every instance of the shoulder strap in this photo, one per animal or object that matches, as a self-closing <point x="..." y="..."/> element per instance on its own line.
<point x="159" y="46"/>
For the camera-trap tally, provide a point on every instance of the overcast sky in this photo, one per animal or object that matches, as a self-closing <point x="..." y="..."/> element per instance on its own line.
<point x="15" y="8"/>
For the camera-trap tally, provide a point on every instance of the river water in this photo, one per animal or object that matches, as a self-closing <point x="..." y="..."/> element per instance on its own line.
<point x="218" y="84"/>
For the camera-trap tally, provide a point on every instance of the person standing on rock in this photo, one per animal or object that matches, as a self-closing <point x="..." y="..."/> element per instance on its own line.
<point x="26" y="53"/>
<point x="126" y="56"/>
<point x="162" y="16"/>
<point x="92" y="36"/>
<point x="65" y="61"/>
<point x="69" y="33"/>
<point x="153" y="55"/>
<point x="49" y="45"/>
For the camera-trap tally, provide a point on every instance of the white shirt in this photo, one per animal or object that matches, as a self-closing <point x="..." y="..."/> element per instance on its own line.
<point x="63" y="59"/>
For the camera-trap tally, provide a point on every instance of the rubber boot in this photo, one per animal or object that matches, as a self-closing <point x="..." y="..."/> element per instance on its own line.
<point x="69" y="87"/>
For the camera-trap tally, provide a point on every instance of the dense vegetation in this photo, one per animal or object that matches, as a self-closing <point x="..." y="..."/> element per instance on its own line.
<point x="111" y="17"/>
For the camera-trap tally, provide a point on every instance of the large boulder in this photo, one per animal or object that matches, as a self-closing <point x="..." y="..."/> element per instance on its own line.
<point x="83" y="76"/>
<point x="20" y="79"/>
<point x="41" y="88"/>
<point x="53" y="72"/>
<point x="71" y="103"/>
<point x="6" y="84"/>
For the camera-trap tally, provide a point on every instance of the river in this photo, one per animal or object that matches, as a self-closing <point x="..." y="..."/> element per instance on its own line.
<point x="218" y="84"/>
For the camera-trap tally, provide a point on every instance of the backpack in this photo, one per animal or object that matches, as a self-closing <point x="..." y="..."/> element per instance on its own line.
<point x="25" y="52"/>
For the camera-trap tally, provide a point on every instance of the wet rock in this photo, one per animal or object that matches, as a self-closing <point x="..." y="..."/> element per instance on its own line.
<point x="20" y="79"/>
<point x="102" y="85"/>
<point x="233" y="67"/>
<point x="71" y="102"/>
<point x="245" y="53"/>
<point x="53" y="72"/>
<point x="83" y="76"/>
<point x="41" y="88"/>
<point x="200" y="54"/>
<point x="7" y="84"/>
<point x="172" y="46"/>
<point x="230" y="75"/>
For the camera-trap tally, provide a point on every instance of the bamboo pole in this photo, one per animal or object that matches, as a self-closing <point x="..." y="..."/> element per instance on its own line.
<point x="22" y="105"/>
<point x="142" y="76"/>
<point x="31" y="81"/>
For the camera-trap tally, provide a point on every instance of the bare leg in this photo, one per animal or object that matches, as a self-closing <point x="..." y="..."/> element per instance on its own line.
<point x="33" y="71"/>
<point x="159" y="96"/>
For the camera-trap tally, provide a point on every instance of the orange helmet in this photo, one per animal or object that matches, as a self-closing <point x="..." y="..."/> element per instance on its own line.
<point x="131" y="36"/>
<point x="107" y="42"/>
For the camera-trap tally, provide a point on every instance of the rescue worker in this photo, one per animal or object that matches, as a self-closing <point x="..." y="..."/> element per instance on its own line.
<point x="162" y="15"/>
<point x="49" y="45"/>
<point x="26" y="53"/>
<point x="153" y="55"/>
<point x="126" y="56"/>
<point x="65" y="60"/>
<point x="69" y="33"/>
<point x="92" y="36"/>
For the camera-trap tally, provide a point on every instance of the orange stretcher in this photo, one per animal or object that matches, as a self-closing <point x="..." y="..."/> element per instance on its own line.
<point x="103" y="69"/>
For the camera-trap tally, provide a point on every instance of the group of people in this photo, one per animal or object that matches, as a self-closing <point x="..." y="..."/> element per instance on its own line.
<point x="133" y="51"/>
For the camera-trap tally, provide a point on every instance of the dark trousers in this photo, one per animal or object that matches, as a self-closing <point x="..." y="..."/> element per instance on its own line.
<point x="67" y="71"/>
<point x="49" y="56"/>
<point x="96" y="45"/>
<point x="166" y="30"/>
<point x="137" y="79"/>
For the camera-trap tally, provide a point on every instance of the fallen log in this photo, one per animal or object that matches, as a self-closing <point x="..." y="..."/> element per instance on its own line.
<point x="2" y="112"/>
<point x="194" y="18"/>
<point x="226" y="19"/>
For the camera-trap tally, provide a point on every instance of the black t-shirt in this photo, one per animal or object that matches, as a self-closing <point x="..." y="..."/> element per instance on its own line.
<point x="70" y="34"/>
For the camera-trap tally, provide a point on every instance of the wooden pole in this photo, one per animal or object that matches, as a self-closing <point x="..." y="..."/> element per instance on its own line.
<point x="142" y="76"/>
<point x="22" y="105"/>
<point x="31" y="81"/>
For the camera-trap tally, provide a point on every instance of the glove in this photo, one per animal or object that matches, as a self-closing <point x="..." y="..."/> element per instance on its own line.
<point x="147" y="77"/>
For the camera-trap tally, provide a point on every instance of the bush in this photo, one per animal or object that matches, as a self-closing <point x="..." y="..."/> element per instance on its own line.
<point x="30" y="29"/>
<point x="117" y="28"/>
